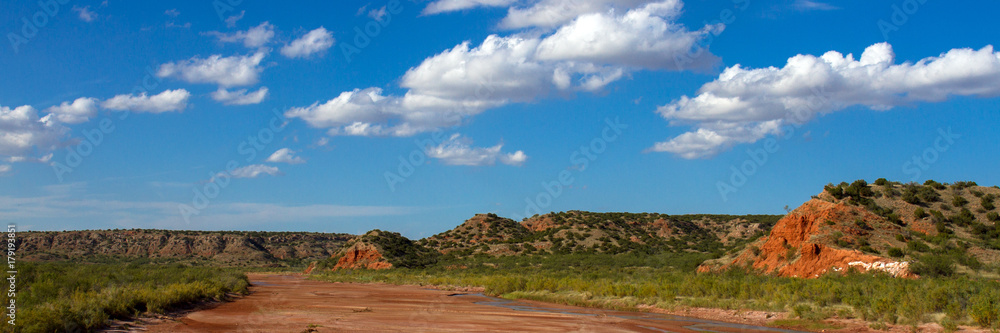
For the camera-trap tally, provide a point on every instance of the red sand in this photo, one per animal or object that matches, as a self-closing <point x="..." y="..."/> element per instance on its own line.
<point x="283" y="303"/>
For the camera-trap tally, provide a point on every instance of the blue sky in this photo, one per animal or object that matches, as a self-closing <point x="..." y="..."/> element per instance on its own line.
<point x="413" y="116"/>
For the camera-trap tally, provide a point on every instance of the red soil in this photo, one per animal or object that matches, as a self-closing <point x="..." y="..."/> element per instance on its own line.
<point x="293" y="304"/>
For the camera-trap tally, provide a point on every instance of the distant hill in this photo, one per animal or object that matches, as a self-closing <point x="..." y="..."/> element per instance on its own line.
<point x="581" y="232"/>
<point x="903" y="229"/>
<point x="227" y="248"/>
<point x="573" y="232"/>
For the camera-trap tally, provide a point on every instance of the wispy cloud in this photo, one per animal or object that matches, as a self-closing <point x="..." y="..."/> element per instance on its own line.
<point x="253" y="171"/>
<point x="285" y="155"/>
<point x="65" y="211"/>
<point x="253" y="38"/>
<point x="457" y="150"/>
<point x="807" y="5"/>
<point x="239" y="97"/>
<point x="85" y="13"/>
<point x="231" y="20"/>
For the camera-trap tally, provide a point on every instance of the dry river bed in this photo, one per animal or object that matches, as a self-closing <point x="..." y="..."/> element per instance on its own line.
<point x="291" y="303"/>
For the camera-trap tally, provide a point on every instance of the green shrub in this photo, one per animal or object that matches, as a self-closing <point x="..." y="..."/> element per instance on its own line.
<point x="987" y="203"/>
<point x="919" y="213"/>
<point x="895" y="252"/>
<point x="934" y="184"/>
<point x="993" y="216"/>
<point x="86" y="296"/>
<point x="948" y="324"/>
<point x="959" y="201"/>
<point x="835" y="191"/>
<point x="985" y="309"/>
<point x="963" y="218"/>
<point x="859" y="188"/>
<point x="917" y="246"/>
<point x="933" y="266"/>
<point x="963" y="184"/>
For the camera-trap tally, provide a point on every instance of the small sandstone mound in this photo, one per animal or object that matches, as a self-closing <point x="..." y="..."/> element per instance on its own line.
<point x="362" y="255"/>
<point x="378" y="249"/>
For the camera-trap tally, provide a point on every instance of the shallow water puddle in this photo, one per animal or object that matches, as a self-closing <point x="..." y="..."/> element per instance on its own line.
<point x="686" y="322"/>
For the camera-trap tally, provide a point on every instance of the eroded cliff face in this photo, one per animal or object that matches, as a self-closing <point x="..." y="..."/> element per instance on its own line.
<point x="802" y="244"/>
<point x="362" y="255"/>
<point x="235" y="248"/>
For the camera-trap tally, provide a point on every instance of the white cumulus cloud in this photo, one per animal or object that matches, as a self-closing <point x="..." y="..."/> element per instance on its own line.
<point x="457" y="150"/>
<point x="224" y="71"/>
<point x="168" y="100"/>
<point x="285" y="155"/>
<point x="80" y="110"/>
<point x="744" y="105"/>
<point x="23" y="133"/>
<point x="239" y="97"/>
<point x="466" y="80"/>
<point x="553" y="13"/>
<point x="645" y="37"/>
<point x="312" y="42"/>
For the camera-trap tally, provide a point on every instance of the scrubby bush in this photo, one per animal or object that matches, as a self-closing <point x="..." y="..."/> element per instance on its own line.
<point x="835" y="191"/>
<point x="959" y="201"/>
<point x="928" y="194"/>
<point x="933" y="266"/>
<point x="859" y="188"/>
<point x="993" y="216"/>
<point x="917" y="246"/>
<point x="964" y="218"/>
<point x="985" y="309"/>
<point x="963" y="184"/>
<point x="919" y="213"/>
<point x="86" y="296"/>
<point x="987" y="202"/>
<point x="934" y="184"/>
<point x="895" y="252"/>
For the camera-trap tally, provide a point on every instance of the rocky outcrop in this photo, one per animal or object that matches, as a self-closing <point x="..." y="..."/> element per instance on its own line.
<point x="378" y="249"/>
<point x="362" y="256"/>
<point x="309" y="270"/>
<point x="801" y="244"/>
